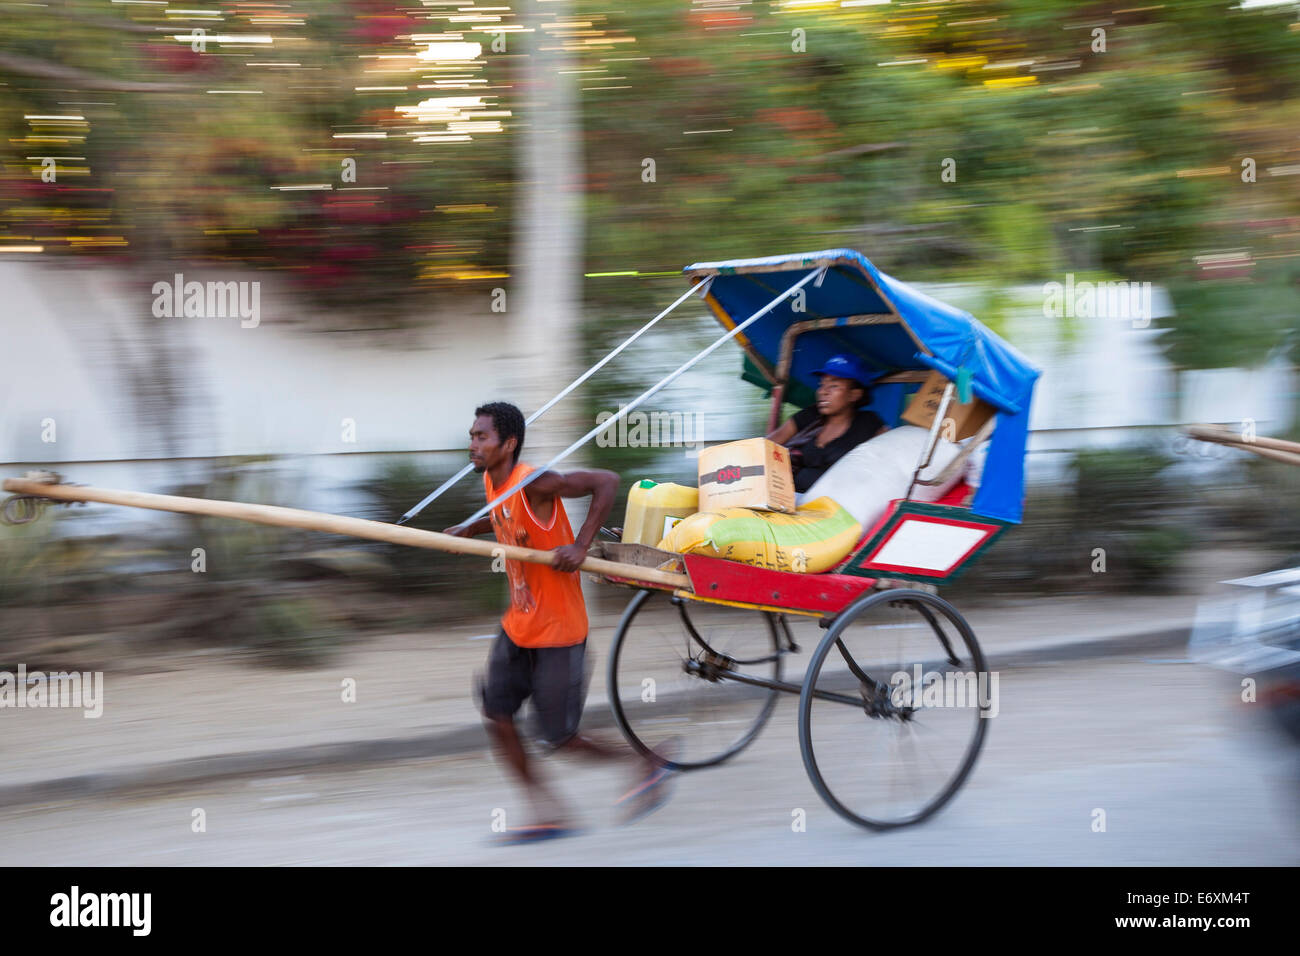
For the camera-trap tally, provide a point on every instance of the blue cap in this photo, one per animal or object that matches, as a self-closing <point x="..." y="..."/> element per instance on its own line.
<point x="844" y="366"/>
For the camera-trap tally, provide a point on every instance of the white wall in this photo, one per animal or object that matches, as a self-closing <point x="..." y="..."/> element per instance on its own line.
<point x="72" y="341"/>
<point x="1108" y="375"/>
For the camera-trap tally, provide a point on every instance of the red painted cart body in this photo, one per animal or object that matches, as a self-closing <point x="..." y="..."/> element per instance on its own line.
<point x="913" y="543"/>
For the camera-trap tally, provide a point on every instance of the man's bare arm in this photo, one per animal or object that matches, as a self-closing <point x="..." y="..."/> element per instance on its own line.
<point x="481" y="526"/>
<point x="601" y="486"/>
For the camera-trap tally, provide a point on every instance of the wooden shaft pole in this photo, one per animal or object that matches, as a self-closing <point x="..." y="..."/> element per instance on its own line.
<point x="1222" y="435"/>
<point x="1286" y="456"/>
<point x="333" y="524"/>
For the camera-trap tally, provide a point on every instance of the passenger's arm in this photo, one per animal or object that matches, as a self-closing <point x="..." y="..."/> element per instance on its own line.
<point x="784" y="433"/>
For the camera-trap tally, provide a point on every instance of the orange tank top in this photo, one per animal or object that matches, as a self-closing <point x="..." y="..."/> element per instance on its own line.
<point x="546" y="606"/>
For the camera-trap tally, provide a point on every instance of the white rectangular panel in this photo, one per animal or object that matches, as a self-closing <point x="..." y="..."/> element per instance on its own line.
<point x="927" y="545"/>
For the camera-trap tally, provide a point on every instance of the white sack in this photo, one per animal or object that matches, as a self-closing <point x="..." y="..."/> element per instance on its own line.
<point x="876" y="472"/>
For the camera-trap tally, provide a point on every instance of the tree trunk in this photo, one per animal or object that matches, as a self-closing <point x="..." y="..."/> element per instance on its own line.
<point x="545" y="291"/>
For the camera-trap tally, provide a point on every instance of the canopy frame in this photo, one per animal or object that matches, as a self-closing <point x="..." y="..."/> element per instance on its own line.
<point x="827" y="263"/>
<point x="787" y="352"/>
<point x="934" y="336"/>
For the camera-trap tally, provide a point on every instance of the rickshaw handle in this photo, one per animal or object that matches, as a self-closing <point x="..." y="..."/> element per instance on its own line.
<point x="333" y="524"/>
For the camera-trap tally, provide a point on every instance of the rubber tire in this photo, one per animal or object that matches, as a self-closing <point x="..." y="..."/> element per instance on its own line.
<point x="842" y="621"/>
<point x="611" y="686"/>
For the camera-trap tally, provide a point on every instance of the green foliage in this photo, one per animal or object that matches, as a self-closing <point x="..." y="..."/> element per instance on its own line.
<point x="1261" y="509"/>
<point x="23" y="580"/>
<point x="1067" y="157"/>
<point x="248" y="594"/>
<point x="995" y="308"/>
<point x="177" y="171"/>
<point x="1118" y="483"/>
<point x="1232" y="323"/>
<point x="1077" y="169"/>
<point x="1117" y="510"/>
<point x="396" y="486"/>
<point x="38" y="567"/>
<point x="291" y="632"/>
<point x="1124" y="505"/>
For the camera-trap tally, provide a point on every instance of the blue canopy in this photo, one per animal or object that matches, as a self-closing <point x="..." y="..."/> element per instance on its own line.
<point x="908" y="331"/>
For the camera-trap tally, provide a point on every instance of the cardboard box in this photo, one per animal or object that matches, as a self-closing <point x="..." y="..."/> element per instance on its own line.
<point x="966" y="418"/>
<point x="752" y="473"/>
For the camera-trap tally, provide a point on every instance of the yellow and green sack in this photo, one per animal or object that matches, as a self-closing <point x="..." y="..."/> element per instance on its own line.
<point x="813" y="539"/>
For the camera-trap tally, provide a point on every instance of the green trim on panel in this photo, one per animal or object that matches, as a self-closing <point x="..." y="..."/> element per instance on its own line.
<point x="857" y="568"/>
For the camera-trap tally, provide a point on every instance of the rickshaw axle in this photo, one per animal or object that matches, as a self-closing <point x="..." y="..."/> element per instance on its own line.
<point x="874" y="702"/>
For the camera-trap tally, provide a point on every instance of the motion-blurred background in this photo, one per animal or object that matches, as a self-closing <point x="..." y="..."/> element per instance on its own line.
<point x="438" y="204"/>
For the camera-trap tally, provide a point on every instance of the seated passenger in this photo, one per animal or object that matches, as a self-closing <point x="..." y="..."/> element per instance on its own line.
<point x="821" y="435"/>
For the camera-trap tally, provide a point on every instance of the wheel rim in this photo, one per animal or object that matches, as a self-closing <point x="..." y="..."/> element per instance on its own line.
<point x="899" y="752"/>
<point x="665" y="683"/>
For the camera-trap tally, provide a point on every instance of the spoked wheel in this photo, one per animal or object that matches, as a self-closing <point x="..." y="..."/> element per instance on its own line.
<point x="670" y="670"/>
<point x="892" y="711"/>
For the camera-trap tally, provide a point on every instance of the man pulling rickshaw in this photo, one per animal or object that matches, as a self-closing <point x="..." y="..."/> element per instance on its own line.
<point x="696" y="663"/>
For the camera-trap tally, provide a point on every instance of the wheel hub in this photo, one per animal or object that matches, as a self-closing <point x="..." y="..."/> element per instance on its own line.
<point x="877" y="702"/>
<point x="708" y="666"/>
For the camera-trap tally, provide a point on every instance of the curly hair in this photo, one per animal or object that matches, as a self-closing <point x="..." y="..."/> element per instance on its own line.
<point x="508" y="422"/>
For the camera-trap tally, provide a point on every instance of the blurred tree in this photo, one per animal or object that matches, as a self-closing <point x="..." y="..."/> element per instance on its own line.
<point x="302" y="140"/>
<point x="547" y="258"/>
<point x="993" y="140"/>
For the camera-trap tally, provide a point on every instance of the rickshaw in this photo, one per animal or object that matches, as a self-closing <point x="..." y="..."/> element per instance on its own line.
<point x="894" y="704"/>
<point x="707" y="670"/>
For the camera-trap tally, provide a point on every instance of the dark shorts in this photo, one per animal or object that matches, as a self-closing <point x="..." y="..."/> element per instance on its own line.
<point x="554" y="677"/>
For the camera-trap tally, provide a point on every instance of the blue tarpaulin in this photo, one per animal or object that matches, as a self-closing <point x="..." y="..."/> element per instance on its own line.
<point x="916" y="332"/>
